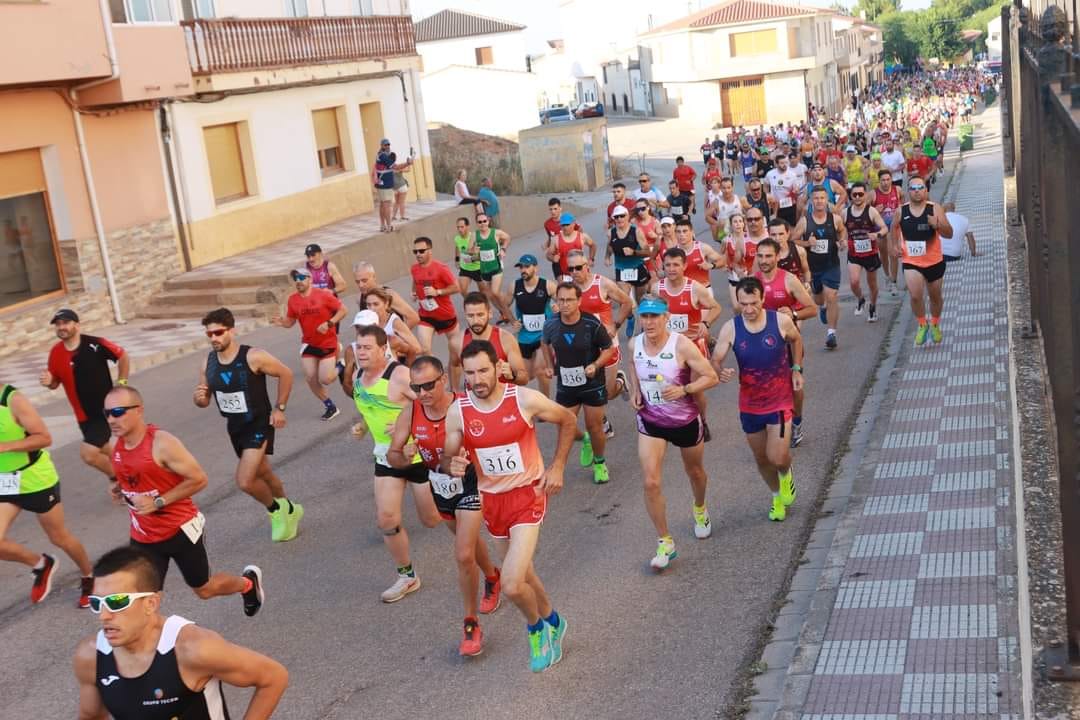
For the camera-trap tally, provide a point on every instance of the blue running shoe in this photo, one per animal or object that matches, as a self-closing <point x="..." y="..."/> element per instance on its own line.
<point x="556" y="635"/>
<point x="821" y="314"/>
<point x="539" y="650"/>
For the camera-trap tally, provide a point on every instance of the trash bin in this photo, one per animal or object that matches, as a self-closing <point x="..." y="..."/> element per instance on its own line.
<point x="966" y="136"/>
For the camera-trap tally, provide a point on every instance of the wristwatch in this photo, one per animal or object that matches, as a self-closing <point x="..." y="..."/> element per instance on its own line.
<point x="281" y="407"/>
<point x="159" y="502"/>
<point x="796" y="368"/>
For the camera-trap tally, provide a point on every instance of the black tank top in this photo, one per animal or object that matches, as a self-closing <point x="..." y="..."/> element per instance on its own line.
<point x="815" y="233"/>
<point x="630" y="241"/>
<point x="761" y="204"/>
<point x="159" y="693"/>
<point x="531" y="303"/>
<point x="239" y="391"/>
<point x="791" y="262"/>
<point x="916" y="228"/>
<point x="859" y="227"/>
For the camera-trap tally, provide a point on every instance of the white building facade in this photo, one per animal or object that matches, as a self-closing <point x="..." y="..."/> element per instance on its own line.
<point x="993" y="39"/>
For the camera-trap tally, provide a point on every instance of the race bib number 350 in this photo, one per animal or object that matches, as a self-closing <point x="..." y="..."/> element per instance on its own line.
<point x="501" y="460"/>
<point x="679" y="323"/>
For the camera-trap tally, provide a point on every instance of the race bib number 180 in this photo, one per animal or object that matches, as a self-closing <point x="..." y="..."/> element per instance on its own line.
<point x="446" y="486"/>
<point x="501" y="459"/>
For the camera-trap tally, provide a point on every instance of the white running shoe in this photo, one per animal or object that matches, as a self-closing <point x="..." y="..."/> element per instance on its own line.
<point x="405" y="584"/>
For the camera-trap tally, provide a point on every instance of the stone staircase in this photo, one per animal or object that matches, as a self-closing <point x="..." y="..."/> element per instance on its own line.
<point x="246" y="296"/>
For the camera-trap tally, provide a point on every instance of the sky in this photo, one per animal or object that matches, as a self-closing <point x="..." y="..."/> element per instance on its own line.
<point x="541" y="17"/>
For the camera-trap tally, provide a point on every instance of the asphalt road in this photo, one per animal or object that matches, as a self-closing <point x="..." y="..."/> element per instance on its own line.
<point x="639" y="644"/>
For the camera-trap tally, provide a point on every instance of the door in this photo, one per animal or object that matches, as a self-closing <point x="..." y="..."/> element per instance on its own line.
<point x="742" y="102"/>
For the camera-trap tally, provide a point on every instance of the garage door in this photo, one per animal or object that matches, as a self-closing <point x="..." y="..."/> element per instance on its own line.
<point x="743" y="101"/>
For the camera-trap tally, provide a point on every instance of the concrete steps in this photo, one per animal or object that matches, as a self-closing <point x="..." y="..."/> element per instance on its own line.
<point x="252" y="297"/>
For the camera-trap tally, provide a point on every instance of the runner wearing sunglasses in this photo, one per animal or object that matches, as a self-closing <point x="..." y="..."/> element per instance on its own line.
<point x="141" y="664"/>
<point x="234" y="375"/>
<point x="156" y="477"/>
<point x="318" y="312"/>
<point x="433" y="284"/>
<point x="423" y="430"/>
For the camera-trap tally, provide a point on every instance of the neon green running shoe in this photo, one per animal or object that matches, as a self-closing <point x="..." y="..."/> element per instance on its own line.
<point x="539" y="650"/>
<point x="279" y="523"/>
<point x="787" y="488"/>
<point x="935" y="333"/>
<point x="292" y="521"/>
<point x="702" y="524"/>
<point x="920" y="334"/>
<point x="600" y="473"/>
<point x="779" y="511"/>
<point x="665" y="553"/>
<point x="586" y="457"/>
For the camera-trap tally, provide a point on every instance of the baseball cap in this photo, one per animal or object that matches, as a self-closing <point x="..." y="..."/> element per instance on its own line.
<point x="384" y="141"/>
<point x="619" y="210"/>
<point x="849" y="148"/>
<point x="527" y="259"/>
<point x="566" y="219"/>
<point x="667" y="220"/>
<point x="652" y="306"/>
<point x="297" y="273"/>
<point x="875" y="156"/>
<point x="365" y="317"/>
<point x="64" y="314"/>
<point x="312" y="249"/>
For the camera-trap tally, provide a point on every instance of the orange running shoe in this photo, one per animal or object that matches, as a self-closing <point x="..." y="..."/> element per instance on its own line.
<point x="472" y="641"/>
<point x="492" y="595"/>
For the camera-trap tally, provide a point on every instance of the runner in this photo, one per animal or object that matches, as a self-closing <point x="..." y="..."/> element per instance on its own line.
<point x="156" y="477"/>
<point x="916" y="238"/>
<point x="706" y="151"/>
<point x="597" y="295"/>
<point x="618" y="194"/>
<point x="678" y="201"/>
<point x="28" y="481"/>
<point x="757" y="197"/>
<point x="767" y="378"/>
<point x="731" y="155"/>
<point x="683" y="175"/>
<point x="570" y="237"/>
<point x="629" y="248"/>
<point x="81" y="364"/>
<point x="854" y="166"/>
<point x="491" y="249"/>
<point x="645" y="191"/>
<point x="552" y="228"/>
<point x="423" y="430"/>
<point x="834" y="191"/>
<point x="324" y="274"/>
<point x="726" y="205"/>
<point x="953" y="248"/>
<point x="433" y="284"/>
<point x="578" y="348"/>
<point x="404" y="346"/>
<point x="235" y="376"/>
<point x="783" y="185"/>
<point x="667" y="373"/>
<point x="701" y="259"/>
<point x="894" y="161"/>
<point x="511" y="366"/>
<point x="735" y="247"/>
<point x="381" y="390"/>
<point x="468" y="264"/>
<point x="141" y="664"/>
<point x="822" y="232"/>
<point x="513" y="484"/>
<point x="887" y="200"/>
<point x="319" y="312"/>
<point x="364" y="276"/>
<point x="533" y="298"/>
<point x="865" y="229"/>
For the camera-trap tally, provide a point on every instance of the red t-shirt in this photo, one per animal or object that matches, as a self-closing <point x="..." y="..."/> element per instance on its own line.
<point x="311" y="312"/>
<point x="684" y="175"/>
<point x="626" y="203"/>
<point x="921" y="166"/>
<point x="824" y="155"/>
<point x="437" y="275"/>
<point x="84" y="373"/>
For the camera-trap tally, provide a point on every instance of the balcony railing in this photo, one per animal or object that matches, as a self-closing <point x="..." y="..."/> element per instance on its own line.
<point x="216" y="46"/>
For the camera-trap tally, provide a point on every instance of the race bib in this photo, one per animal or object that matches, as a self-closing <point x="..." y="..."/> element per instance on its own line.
<point x="653" y="392"/>
<point x="916" y="248"/>
<point x="501" y="459"/>
<point x="533" y="323"/>
<point x="464" y="258"/>
<point x="573" y="376"/>
<point x="487" y="256"/>
<point x="380" y="454"/>
<point x="9" y="483"/>
<point x="784" y="200"/>
<point x="628" y="274"/>
<point x="233" y="403"/>
<point x="862" y="245"/>
<point x="676" y="210"/>
<point x="445" y="486"/>
<point x="678" y="323"/>
<point x="820" y="246"/>
<point x="429" y="304"/>
<point x="193" y="528"/>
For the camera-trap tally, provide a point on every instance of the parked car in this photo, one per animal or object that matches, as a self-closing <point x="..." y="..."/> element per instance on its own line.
<point x="556" y="114"/>
<point x="587" y="110"/>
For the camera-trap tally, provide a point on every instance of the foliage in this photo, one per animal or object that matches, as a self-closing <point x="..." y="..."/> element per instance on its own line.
<point x="901" y="36"/>
<point x="871" y="10"/>
<point x="930" y="33"/>
<point x="839" y="7"/>
<point x="942" y="34"/>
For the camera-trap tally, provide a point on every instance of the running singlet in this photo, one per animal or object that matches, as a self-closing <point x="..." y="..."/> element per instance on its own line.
<point x="138" y="474"/>
<point x="748" y="163"/>
<point x="533" y="309"/>
<point x="683" y="314"/>
<point x="160" y="692"/>
<point x="628" y="268"/>
<point x="694" y="259"/>
<point x="764" y="369"/>
<point x="592" y="302"/>
<point x="656" y="371"/>
<point x="501" y="443"/>
<point x="829" y="192"/>
<point x="855" y="169"/>
<point x="729" y="250"/>
<point x="436" y="275"/>
<point x="749" y="253"/>
<point x="239" y="391"/>
<point x="887" y="204"/>
<point x="565" y="246"/>
<point x="776" y="292"/>
<point x="725" y="209"/>
<point x="861" y="233"/>
<point x="428" y="435"/>
<point x="379" y="413"/>
<point x="791" y="262"/>
<point x="311" y="312"/>
<point x="489" y="248"/>
<point x="495" y="339"/>
<point x="320" y="276"/>
<point x="921" y="245"/>
<point x="465" y="261"/>
<point x="762" y="204"/>
<point x="21" y="472"/>
<point x="823" y="253"/>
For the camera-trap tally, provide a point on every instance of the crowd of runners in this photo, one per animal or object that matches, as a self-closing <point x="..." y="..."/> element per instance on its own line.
<point x="456" y="430"/>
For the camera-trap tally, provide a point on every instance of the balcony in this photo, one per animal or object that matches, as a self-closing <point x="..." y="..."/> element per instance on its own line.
<point x="152" y="66"/>
<point x="278" y="51"/>
<point x="62" y="41"/>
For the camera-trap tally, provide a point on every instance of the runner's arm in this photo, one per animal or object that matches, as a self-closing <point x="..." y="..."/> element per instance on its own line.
<point x="405" y="310"/>
<point x="37" y="433"/>
<point x="398" y="390"/>
<point x="537" y="406"/>
<point x="452" y="445"/>
<point x="201" y="396"/>
<point x="720" y="353"/>
<point x="350" y="368"/>
<point x="267" y="364"/>
<point x="802" y="296"/>
<point x="793" y="336"/>
<point x="207" y="655"/>
<point x="942" y="224"/>
<point x="774" y="204"/>
<point x="171" y="454"/>
<point x="841" y="194"/>
<point x="698" y="363"/>
<point x="91" y="706"/>
<point x="707" y="302"/>
<point x="339" y="314"/>
<point x="841" y="232"/>
<point x="340" y="285"/>
<point x="798" y="235"/>
<point x="398" y="438"/>
<point x="615" y="293"/>
<point x="123" y="367"/>
<point x="406" y="336"/>
<point x="513" y="355"/>
<point x="879" y="222"/>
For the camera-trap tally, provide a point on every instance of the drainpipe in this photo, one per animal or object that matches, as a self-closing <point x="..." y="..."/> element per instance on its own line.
<point x="84" y="157"/>
<point x="165" y="150"/>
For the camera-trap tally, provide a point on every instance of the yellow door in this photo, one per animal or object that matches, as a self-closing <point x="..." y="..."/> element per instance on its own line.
<point x="742" y="102"/>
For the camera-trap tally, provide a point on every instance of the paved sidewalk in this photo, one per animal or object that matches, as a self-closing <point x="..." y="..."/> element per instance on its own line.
<point x="913" y="610"/>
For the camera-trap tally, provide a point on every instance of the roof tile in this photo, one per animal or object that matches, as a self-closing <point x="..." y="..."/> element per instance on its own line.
<point x="737" y="11"/>
<point x="449" y="24"/>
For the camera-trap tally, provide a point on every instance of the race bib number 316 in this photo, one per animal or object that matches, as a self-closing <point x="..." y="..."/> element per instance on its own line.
<point x="501" y="459"/>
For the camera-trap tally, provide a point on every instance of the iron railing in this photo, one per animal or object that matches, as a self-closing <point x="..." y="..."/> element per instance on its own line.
<point x="232" y="45"/>
<point x="1041" y="107"/>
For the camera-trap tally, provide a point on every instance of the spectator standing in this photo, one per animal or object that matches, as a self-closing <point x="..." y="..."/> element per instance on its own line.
<point x="489" y="201"/>
<point x="401" y="192"/>
<point x="382" y="177"/>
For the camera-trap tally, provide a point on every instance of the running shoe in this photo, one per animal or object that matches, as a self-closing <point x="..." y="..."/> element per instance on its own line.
<point x="256" y="596"/>
<point x="586" y="455"/>
<point x="492" y="598"/>
<point x="340" y="367"/>
<point x="920" y="334"/>
<point x="404" y="585"/>
<point x="796" y="434"/>
<point x="539" y="650"/>
<point x="830" y="341"/>
<point x="331" y="413"/>
<point x="609" y="431"/>
<point x="600" y="473"/>
<point x="665" y="553"/>
<point x="778" y="512"/>
<point x="292" y="522"/>
<point x="86" y="588"/>
<point x="472" y="640"/>
<point x="822" y="315"/>
<point x="872" y="317"/>
<point x="620" y="376"/>
<point x="630" y="326"/>
<point x="279" y="523"/>
<point x="860" y="305"/>
<point x="556" y="634"/>
<point x="702" y="524"/>
<point x="935" y="333"/>
<point x="787" y="489"/>
<point x="43" y="579"/>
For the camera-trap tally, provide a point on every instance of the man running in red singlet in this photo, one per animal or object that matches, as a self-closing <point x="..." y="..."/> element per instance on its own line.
<point x="701" y="259"/>
<point x="887" y="199"/>
<point x="156" y="477"/>
<point x="492" y="426"/>
<point x="597" y="295"/>
<point x="569" y="237"/>
<point x="478" y="327"/>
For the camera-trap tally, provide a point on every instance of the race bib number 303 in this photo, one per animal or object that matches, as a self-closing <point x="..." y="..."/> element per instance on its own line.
<point x="501" y="460"/>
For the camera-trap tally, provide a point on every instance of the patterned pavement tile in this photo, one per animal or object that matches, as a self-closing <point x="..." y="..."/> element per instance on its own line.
<point x="933" y="622"/>
<point x="968" y="655"/>
<point x="949" y="693"/>
<point x="883" y="623"/>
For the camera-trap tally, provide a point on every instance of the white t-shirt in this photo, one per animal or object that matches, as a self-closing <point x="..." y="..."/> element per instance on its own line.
<point x="461" y="190"/>
<point x="784" y="186"/>
<point x="954" y="246"/>
<point x="894" y="161"/>
<point x="652" y="195"/>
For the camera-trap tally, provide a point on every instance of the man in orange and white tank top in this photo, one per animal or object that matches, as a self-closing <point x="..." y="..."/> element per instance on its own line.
<point x="492" y="428"/>
<point x="701" y="259"/>
<point x="597" y="295"/>
<point x="916" y="239"/>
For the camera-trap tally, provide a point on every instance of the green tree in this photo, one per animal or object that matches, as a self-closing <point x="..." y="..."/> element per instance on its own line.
<point x="901" y="36"/>
<point x="873" y="9"/>
<point x="941" y="38"/>
<point x="839" y="7"/>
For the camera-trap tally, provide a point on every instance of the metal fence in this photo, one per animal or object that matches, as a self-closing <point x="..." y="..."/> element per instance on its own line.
<point x="1041" y="102"/>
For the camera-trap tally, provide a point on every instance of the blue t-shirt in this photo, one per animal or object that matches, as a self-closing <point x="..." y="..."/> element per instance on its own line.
<point x="384" y="169"/>
<point x="491" y="203"/>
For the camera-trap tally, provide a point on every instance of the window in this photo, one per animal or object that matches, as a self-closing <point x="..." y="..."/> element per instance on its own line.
<point x="484" y="56"/>
<point x="226" y="159"/>
<point x="149" y="11"/>
<point x="363" y="7"/>
<point x="755" y="42"/>
<point x="328" y="141"/>
<point x="192" y="9"/>
<point x="296" y="8"/>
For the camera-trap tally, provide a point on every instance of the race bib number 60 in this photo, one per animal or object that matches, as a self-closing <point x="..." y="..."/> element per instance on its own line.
<point x="501" y="459"/>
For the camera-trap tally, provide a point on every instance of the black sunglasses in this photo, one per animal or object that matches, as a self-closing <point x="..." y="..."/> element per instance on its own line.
<point x="575" y="268"/>
<point x="421" y="251"/>
<point x="859" y="194"/>
<point x="425" y="387"/>
<point x="118" y="411"/>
